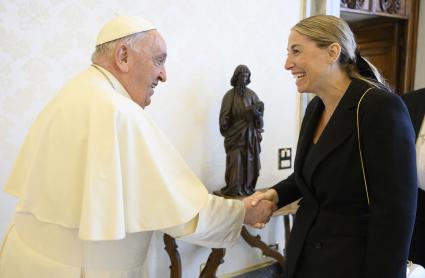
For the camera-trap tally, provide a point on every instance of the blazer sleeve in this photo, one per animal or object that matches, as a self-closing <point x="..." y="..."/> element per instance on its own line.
<point x="388" y="147"/>
<point x="287" y="190"/>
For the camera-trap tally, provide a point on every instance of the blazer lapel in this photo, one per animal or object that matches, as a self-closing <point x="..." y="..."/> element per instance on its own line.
<point x="341" y="125"/>
<point x="311" y="118"/>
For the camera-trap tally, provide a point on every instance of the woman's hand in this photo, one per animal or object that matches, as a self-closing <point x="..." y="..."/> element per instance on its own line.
<point x="259" y="208"/>
<point x="270" y="195"/>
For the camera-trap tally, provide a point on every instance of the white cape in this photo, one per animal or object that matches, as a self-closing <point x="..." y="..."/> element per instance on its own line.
<point x="94" y="160"/>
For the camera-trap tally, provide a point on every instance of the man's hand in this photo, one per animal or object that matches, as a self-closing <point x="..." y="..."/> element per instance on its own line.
<point x="258" y="215"/>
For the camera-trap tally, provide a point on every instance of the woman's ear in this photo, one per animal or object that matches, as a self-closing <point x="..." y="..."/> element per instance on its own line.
<point x="121" y="57"/>
<point x="334" y="50"/>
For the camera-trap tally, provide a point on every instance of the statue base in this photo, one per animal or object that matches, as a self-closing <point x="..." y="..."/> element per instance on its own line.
<point x="237" y="195"/>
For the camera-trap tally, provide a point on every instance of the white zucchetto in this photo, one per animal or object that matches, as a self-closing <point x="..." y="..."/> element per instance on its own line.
<point x="122" y="26"/>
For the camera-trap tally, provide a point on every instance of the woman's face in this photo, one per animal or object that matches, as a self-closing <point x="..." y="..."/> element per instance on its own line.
<point x="309" y="64"/>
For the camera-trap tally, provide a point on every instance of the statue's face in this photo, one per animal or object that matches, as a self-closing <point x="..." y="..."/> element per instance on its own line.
<point x="242" y="79"/>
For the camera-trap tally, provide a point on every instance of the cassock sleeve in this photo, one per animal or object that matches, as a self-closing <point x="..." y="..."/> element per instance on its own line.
<point x="218" y="224"/>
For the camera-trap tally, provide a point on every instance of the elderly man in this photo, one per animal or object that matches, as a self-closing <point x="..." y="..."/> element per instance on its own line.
<point x="95" y="177"/>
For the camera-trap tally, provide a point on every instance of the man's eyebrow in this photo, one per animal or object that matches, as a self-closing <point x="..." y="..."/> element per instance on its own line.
<point x="160" y="56"/>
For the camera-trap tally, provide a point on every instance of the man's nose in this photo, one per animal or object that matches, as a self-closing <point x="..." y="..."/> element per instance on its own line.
<point x="163" y="75"/>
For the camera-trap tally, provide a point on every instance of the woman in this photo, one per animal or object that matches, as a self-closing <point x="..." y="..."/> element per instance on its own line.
<point x="336" y="232"/>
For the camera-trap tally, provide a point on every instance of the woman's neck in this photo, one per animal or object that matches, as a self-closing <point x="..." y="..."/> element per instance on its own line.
<point x="333" y="91"/>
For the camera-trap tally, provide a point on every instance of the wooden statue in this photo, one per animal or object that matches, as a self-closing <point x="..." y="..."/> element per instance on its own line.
<point x="241" y="124"/>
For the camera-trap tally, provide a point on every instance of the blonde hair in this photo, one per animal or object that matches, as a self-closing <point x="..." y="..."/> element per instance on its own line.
<point x="325" y="30"/>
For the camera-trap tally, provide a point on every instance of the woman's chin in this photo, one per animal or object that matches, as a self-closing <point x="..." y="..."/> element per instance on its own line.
<point x="301" y="90"/>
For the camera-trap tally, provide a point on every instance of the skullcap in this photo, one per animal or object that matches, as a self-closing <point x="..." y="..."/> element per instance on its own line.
<point x="122" y="26"/>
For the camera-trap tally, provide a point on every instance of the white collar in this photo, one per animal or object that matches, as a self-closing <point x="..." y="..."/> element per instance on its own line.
<point x="112" y="80"/>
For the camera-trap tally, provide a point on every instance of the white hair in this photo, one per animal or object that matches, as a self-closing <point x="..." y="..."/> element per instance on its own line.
<point x="106" y="50"/>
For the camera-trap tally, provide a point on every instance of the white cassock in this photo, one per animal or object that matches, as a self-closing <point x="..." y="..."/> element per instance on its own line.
<point x="94" y="178"/>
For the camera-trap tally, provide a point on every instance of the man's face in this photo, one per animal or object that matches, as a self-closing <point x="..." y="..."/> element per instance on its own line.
<point x="147" y="67"/>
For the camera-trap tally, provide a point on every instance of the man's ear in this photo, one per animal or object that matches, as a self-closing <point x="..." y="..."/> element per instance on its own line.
<point x="334" y="50"/>
<point x="121" y="57"/>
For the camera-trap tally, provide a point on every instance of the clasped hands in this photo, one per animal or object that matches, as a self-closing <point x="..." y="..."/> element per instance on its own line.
<point x="259" y="207"/>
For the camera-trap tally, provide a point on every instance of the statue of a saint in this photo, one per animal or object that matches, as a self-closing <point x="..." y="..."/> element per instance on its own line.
<point x="241" y="124"/>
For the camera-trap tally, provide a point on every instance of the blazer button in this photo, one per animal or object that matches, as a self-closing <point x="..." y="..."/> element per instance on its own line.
<point x="318" y="245"/>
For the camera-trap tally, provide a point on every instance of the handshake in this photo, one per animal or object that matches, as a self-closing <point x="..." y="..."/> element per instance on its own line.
<point x="259" y="207"/>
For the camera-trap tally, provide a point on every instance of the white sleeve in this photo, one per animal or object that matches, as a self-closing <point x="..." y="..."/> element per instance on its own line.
<point x="218" y="224"/>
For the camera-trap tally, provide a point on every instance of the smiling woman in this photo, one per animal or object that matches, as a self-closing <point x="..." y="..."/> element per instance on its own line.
<point x="337" y="232"/>
<point x="307" y="62"/>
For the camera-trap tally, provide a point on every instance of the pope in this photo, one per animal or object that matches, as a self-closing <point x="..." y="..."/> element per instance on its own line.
<point x="95" y="176"/>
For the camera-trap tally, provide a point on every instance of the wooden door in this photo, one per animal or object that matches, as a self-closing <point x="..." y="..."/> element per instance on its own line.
<point x="381" y="41"/>
<point x="386" y="32"/>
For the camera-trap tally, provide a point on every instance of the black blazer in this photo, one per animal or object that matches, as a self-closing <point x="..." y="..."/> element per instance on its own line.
<point x="336" y="234"/>
<point x="415" y="102"/>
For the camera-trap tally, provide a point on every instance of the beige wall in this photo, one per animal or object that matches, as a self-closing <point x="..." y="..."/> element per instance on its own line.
<point x="44" y="43"/>
<point x="420" y="50"/>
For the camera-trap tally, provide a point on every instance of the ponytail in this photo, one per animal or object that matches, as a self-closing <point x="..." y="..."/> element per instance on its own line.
<point x="362" y="68"/>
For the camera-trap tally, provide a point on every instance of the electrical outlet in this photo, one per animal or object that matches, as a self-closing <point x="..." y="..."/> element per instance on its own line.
<point x="284" y="158"/>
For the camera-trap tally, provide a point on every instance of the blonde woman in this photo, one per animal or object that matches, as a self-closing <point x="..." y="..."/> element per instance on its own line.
<point x="343" y="227"/>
